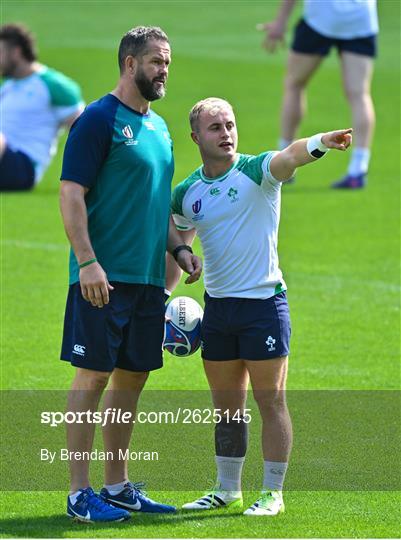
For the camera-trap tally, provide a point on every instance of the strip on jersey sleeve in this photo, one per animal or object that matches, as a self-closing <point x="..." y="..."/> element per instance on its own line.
<point x="182" y="223"/>
<point x="87" y="147"/>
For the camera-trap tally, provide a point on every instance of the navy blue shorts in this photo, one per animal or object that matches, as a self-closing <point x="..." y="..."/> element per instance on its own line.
<point x="126" y="333"/>
<point x="17" y="172"/>
<point x="308" y="41"/>
<point x="244" y="328"/>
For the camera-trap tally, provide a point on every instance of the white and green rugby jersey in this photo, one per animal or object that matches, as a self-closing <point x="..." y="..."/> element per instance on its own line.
<point x="32" y="111"/>
<point x="236" y="217"/>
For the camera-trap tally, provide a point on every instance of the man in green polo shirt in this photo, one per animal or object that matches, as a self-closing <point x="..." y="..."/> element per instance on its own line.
<point x="115" y="192"/>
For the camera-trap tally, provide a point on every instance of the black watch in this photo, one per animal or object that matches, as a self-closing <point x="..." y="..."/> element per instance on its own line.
<point x="180" y="248"/>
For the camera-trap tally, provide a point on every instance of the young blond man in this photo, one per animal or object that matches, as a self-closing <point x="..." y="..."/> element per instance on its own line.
<point x="233" y="203"/>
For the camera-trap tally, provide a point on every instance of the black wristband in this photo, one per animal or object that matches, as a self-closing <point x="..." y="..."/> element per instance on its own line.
<point x="180" y="248"/>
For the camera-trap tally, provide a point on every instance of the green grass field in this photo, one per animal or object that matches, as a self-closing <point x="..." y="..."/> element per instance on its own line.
<point x="339" y="251"/>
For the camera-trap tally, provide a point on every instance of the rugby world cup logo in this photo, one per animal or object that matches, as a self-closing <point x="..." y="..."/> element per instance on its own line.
<point x="127" y="131"/>
<point x="197" y="205"/>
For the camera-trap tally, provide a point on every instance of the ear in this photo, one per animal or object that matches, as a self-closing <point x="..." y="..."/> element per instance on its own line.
<point x="16" y="53"/>
<point x="130" y="64"/>
<point x="194" y="137"/>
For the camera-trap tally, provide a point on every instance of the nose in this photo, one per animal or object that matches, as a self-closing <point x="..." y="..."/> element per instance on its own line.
<point x="225" y="133"/>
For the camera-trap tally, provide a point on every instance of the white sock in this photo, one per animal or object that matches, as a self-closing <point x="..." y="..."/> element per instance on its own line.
<point x="115" y="489"/>
<point x="274" y="474"/>
<point x="283" y="143"/>
<point x="359" y="161"/>
<point x="229" y="471"/>
<point x="74" y="496"/>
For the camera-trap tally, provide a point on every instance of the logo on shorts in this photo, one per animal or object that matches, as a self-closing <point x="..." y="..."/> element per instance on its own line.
<point x="79" y="349"/>
<point x="270" y="342"/>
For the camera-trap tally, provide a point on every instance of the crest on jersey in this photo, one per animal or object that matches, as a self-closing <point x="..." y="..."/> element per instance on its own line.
<point x="127" y="131"/>
<point x="233" y="194"/>
<point x="197" y="205"/>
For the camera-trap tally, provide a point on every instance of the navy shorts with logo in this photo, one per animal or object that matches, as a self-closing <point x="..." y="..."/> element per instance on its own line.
<point x="308" y="41"/>
<point x="245" y="328"/>
<point x="17" y="172"/>
<point x="126" y="333"/>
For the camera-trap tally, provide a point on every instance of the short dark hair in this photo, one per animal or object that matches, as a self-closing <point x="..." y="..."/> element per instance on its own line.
<point x="134" y="42"/>
<point x="17" y="35"/>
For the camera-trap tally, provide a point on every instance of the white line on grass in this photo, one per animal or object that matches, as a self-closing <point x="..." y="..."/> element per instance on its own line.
<point x="24" y="244"/>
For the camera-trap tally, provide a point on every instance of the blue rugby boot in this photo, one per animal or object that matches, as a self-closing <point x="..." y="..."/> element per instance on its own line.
<point x="134" y="499"/>
<point x="351" y="182"/>
<point x="90" y="508"/>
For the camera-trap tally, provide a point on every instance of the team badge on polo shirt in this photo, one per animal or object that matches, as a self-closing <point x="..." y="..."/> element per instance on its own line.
<point x="129" y="134"/>
<point x="127" y="131"/>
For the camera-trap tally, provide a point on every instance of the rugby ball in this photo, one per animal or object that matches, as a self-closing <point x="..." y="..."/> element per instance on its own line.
<point x="182" y="326"/>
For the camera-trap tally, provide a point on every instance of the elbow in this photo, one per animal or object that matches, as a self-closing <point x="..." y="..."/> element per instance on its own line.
<point x="71" y="193"/>
<point x="63" y="196"/>
<point x="66" y="195"/>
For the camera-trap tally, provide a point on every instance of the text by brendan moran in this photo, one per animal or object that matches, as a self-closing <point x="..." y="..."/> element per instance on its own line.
<point x="63" y="454"/>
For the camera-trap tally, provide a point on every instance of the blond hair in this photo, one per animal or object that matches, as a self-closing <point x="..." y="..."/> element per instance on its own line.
<point x="212" y="105"/>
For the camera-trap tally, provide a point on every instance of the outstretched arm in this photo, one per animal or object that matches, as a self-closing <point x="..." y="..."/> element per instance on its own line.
<point x="304" y="151"/>
<point x="275" y="30"/>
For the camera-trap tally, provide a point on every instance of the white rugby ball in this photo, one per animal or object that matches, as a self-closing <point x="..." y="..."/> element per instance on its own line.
<point x="183" y="326"/>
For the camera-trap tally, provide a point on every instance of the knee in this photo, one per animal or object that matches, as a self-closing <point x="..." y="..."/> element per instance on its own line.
<point x="128" y="380"/>
<point x="86" y="379"/>
<point x="355" y="95"/>
<point x="99" y="381"/>
<point x="270" y="402"/>
<point x="294" y="83"/>
<point x="138" y="378"/>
